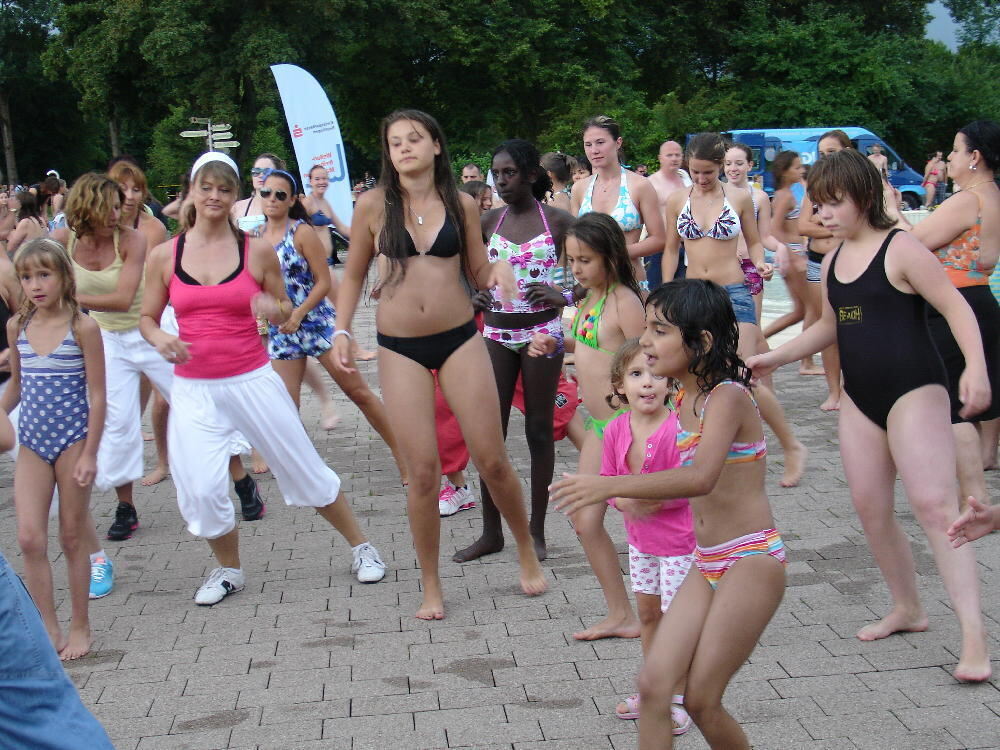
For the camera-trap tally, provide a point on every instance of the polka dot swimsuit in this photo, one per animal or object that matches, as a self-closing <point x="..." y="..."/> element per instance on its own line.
<point x="54" y="408"/>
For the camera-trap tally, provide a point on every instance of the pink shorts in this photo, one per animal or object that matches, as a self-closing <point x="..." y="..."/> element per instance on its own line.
<point x="658" y="576"/>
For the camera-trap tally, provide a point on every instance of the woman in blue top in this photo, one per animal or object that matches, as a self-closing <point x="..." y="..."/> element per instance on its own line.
<point x="625" y="196"/>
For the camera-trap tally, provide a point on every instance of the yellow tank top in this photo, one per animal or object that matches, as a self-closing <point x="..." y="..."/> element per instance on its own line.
<point x="105" y="281"/>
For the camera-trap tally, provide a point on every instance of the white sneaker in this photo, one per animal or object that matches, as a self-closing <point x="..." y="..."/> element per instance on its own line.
<point x="220" y="583"/>
<point x="453" y="499"/>
<point x="367" y="565"/>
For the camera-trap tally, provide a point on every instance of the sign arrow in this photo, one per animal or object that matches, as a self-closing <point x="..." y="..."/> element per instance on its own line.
<point x="221" y="126"/>
<point x="200" y="120"/>
<point x="222" y="136"/>
<point x="194" y="133"/>
<point x="226" y="144"/>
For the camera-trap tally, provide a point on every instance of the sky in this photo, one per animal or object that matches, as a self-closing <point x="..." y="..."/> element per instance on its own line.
<point x="942" y="28"/>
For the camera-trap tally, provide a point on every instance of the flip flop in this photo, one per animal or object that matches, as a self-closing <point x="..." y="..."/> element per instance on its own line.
<point x="681" y="718"/>
<point x="632" y="708"/>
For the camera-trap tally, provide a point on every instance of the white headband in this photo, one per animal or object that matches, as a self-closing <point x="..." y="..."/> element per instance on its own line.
<point x="210" y="156"/>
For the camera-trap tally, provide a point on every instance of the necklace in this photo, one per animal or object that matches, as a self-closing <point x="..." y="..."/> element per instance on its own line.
<point x="981" y="182"/>
<point x="420" y="219"/>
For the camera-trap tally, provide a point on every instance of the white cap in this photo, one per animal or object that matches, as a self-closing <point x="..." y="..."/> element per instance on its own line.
<point x="53" y="173"/>
<point x="210" y="156"/>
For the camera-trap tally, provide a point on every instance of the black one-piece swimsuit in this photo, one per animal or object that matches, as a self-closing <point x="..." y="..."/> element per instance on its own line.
<point x="886" y="349"/>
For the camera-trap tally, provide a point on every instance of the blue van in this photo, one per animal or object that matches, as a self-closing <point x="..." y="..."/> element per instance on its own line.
<point x="768" y="143"/>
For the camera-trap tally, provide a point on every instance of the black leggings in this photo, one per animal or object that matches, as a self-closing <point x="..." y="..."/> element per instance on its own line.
<point x="540" y="381"/>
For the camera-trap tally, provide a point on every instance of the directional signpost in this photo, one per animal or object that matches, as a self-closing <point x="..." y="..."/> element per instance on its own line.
<point x="217" y="135"/>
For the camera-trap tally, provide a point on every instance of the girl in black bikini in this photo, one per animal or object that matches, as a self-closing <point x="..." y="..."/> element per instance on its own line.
<point x="431" y="236"/>
<point x="894" y="413"/>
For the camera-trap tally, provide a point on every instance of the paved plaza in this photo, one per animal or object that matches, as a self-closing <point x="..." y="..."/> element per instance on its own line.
<point x="305" y="657"/>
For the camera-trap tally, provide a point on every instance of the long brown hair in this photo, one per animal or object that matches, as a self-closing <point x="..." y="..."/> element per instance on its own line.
<point x="849" y="174"/>
<point x="51" y="255"/>
<point x="393" y="240"/>
<point x="602" y="234"/>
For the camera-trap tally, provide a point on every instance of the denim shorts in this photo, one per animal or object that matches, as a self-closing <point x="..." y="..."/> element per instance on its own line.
<point x="39" y="706"/>
<point x="743" y="306"/>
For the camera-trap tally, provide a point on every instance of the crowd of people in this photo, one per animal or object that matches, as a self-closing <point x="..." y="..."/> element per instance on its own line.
<point x="663" y="274"/>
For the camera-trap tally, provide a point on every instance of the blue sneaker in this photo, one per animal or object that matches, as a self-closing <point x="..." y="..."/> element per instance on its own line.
<point x="102" y="578"/>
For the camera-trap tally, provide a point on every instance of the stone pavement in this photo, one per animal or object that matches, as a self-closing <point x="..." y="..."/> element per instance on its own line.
<point x="305" y="657"/>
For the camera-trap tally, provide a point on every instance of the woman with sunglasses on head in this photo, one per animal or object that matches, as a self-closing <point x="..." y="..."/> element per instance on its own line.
<point x="249" y="213"/>
<point x="432" y="238"/>
<point x="625" y="196"/>
<point x="308" y="331"/>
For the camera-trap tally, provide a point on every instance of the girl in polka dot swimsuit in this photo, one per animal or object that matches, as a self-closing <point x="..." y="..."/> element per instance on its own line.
<point x="660" y="532"/>
<point x="57" y="375"/>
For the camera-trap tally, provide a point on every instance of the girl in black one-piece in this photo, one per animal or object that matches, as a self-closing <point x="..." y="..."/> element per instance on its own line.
<point x="895" y="414"/>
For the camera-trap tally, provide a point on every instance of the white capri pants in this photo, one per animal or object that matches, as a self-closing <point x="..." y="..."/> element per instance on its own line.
<point x="126" y="355"/>
<point x="203" y="415"/>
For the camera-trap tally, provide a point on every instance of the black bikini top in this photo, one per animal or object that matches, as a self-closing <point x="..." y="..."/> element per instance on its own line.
<point x="445" y="244"/>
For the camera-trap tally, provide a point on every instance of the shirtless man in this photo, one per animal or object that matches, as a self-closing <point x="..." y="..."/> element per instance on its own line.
<point x="668" y="178"/>
<point x="877" y="158"/>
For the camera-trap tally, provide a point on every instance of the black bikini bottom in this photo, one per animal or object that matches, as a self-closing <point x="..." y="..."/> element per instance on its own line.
<point x="430" y="351"/>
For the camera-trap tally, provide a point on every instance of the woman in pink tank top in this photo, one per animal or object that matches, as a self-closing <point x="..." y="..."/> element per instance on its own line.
<point x="218" y="280"/>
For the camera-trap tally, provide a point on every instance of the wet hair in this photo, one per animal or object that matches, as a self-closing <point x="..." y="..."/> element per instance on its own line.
<point x="126" y="170"/>
<point x="527" y="160"/>
<point x="838" y="135"/>
<point x="29" y="205"/>
<point x="850" y="175"/>
<point x="220" y="172"/>
<point x="605" y="123"/>
<point x="602" y="234"/>
<point x="560" y="164"/>
<point x="393" y="241"/>
<point x="89" y="202"/>
<point x="707" y="147"/>
<point x="276" y="160"/>
<point x="582" y="162"/>
<point x="781" y="164"/>
<point x="984" y="136"/>
<point x="45" y="252"/>
<point x="697" y="307"/>
<point x="744" y="148"/>
<point x="619" y="367"/>
<point x="473" y="188"/>
<point x="297" y="211"/>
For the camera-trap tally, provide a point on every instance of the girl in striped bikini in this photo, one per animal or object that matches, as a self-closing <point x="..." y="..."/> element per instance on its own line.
<point x="691" y="336"/>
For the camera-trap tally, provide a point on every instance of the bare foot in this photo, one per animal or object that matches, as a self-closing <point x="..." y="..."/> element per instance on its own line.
<point x="57" y="638"/>
<point x="432" y="607"/>
<point x="814" y="370"/>
<point x="974" y="663"/>
<point x="533" y="580"/>
<point x="482" y="546"/>
<point x="257" y="463"/>
<point x="365" y="355"/>
<point x="894" y="622"/>
<point x="156" y="476"/>
<point x="795" y="465"/>
<point x="540" y="551"/>
<point x="77" y="645"/>
<point x="147" y="437"/>
<point x="610" y="628"/>
<point x="831" y="404"/>
<point x="328" y="419"/>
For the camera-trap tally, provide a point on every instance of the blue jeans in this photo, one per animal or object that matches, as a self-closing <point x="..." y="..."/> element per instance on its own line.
<point x="654" y="269"/>
<point x="39" y="706"/>
<point x="743" y="306"/>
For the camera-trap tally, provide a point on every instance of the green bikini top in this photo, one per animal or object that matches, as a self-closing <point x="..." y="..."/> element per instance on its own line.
<point x="585" y="331"/>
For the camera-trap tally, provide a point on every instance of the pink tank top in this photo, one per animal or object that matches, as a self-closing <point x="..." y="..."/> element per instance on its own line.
<point x="216" y="320"/>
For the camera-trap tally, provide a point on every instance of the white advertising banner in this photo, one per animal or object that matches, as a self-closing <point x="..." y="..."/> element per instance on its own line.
<point x="315" y="134"/>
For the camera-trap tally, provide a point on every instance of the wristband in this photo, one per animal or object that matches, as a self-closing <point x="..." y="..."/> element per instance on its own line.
<point x="560" y="346"/>
<point x="568" y="296"/>
<point x="342" y="332"/>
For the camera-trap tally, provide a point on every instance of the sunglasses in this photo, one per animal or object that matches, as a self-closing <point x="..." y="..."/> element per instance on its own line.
<point x="278" y="194"/>
<point x="258" y="171"/>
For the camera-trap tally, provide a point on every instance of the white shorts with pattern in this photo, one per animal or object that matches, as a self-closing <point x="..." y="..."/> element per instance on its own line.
<point x="658" y="576"/>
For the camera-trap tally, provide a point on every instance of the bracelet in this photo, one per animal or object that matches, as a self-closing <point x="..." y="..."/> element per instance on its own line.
<point x="560" y="346"/>
<point x="568" y="296"/>
<point x="342" y="332"/>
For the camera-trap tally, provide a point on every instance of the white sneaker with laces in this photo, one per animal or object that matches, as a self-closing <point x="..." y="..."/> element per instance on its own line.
<point x="367" y="565"/>
<point x="220" y="583"/>
<point x="453" y="499"/>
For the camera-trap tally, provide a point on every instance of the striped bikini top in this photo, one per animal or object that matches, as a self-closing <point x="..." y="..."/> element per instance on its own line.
<point x="65" y="360"/>
<point x="624" y="212"/>
<point x="739" y="453"/>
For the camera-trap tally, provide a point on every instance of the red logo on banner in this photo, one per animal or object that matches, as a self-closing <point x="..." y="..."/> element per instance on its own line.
<point x="296" y="132"/>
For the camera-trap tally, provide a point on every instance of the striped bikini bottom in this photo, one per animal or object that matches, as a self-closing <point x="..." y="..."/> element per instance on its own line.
<point x="713" y="562"/>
